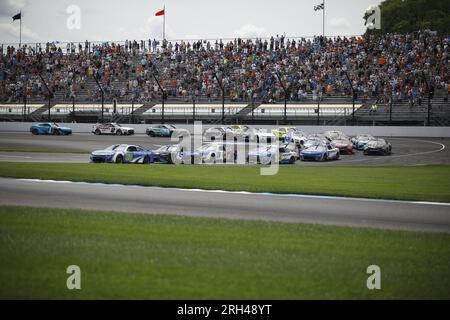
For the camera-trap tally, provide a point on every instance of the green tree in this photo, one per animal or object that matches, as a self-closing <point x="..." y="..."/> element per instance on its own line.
<point x="403" y="16"/>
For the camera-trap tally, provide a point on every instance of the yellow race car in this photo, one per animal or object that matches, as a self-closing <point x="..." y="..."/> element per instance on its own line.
<point x="281" y="132"/>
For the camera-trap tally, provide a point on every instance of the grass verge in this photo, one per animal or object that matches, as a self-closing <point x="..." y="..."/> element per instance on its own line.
<point x="424" y="183"/>
<point x="168" y="257"/>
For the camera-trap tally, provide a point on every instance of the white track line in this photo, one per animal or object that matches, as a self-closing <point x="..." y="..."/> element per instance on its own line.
<point x="402" y="155"/>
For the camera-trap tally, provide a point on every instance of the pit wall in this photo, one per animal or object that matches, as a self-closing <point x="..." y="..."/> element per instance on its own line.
<point x="435" y="132"/>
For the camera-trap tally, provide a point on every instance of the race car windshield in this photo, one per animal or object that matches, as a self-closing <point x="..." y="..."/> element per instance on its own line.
<point x="114" y="147"/>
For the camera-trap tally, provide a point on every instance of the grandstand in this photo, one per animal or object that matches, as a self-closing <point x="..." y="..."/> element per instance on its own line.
<point x="297" y="80"/>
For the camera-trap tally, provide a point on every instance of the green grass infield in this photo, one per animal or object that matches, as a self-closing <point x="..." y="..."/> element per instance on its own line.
<point x="423" y="183"/>
<point x="124" y="256"/>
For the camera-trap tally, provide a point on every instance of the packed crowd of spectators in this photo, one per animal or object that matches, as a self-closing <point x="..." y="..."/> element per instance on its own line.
<point x="262" y="69"/>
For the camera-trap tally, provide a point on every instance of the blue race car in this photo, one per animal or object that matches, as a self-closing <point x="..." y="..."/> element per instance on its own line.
<point x="320" y="152"/>
<point x="123" y="153"/>
<point x="49" y="128"/>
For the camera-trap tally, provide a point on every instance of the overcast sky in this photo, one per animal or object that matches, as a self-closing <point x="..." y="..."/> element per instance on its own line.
<point x="114" y="20"/>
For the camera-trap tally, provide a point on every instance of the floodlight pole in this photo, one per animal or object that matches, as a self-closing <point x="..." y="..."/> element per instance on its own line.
<point x="50" y="94"/>
<point x="163" y="97"/>
<point x="223" y="97"/>
<point x="103" y="95"/>
<point x="285" y="96"/>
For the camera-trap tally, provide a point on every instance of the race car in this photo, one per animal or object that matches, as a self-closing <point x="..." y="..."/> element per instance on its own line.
<point x="378" y="146"/>
<point x="167" y="154"/>
<point x="280" y="132"/>
<point x="162" y="130"/>
<point x="212" y="153"/>
<point x="334" y="135"/>
<point x="344" y="145"/>
<point x="111" y="128"/>
<point x="360" y="141"/>
<point x="123" y="153"/>
<point x="49" y="128"/>
<point x="239" y="129"/>
<point x="313" y="140"/>
<point x="295" y="136"/>
<point x="217" y="133"/>
<point x="259" y="135"/>
<point x="265" y="155"/>
<point x="320" y="152"/>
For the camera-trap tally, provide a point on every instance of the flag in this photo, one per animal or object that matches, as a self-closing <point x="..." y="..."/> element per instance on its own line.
<point x="17" y="16"/>
<point x="160" y="13"/>
<point x="319" y="7"/>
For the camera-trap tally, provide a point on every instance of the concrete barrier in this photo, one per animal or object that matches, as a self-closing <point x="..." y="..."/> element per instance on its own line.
<point x="435" y="132"/>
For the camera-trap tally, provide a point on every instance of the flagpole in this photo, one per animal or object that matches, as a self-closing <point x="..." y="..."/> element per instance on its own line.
<point x="323" y="19"/>
<point x="164" y="23"/>
<point x="20" y="32"/>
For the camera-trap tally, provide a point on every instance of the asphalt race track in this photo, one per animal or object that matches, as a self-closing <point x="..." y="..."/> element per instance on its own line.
<point x="239" y="205"/>
<point x="405" y="151"/>
<point x="236" y="205"/>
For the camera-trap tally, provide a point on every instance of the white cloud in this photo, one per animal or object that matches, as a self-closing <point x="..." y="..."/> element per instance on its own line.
<point x="339" y="23"/>
<point x="250" y="31"/>
<point x="10" y="32"/>
<point x="153" y="28"/>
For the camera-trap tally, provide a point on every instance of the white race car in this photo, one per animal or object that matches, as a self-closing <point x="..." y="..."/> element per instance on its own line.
<point x="111" y="128"/>
<point x="360" y="141"/>
<point x="267" y="154"/>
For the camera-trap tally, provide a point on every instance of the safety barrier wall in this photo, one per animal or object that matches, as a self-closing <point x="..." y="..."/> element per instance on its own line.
<point x="385" y="131"/>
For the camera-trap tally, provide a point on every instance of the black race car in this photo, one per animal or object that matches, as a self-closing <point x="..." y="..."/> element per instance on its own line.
<point x="378" y="146"/>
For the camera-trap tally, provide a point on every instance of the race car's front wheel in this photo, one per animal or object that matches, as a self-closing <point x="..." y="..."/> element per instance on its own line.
<point x="151" y="134"/>
<point x="119" y="159"/>
<point x="97" y="132"/>
<point x="34" y="131"/>
<point x="146" y="160"/>
<point x="57" y="132"/>
<point x="291" y="160"/>
<point x="119" y="132"/>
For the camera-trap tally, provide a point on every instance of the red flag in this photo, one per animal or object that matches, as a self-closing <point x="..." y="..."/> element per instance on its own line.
<point x="159" y="13"/>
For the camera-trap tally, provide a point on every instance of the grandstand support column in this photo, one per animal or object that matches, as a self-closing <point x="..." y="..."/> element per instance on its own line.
<point x="103" y="95"/>
<point x="429" y="98"/>
<point x="163" y="97"/>
<point x="193" y="109"/>
<point x="253" y="109"/>
<point x="390" y="110"/>
<point x="73" y="107"/>
<point x="318" y="112"/>
<point x="24" y="110"/>
<point x="353" y="93"/>
<point x="285" y="97"/>
<point x="223" y="97"/>
<point x="132" y="111"/>
<point x="50" y="94"/>
<point x="353" y="109"/>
